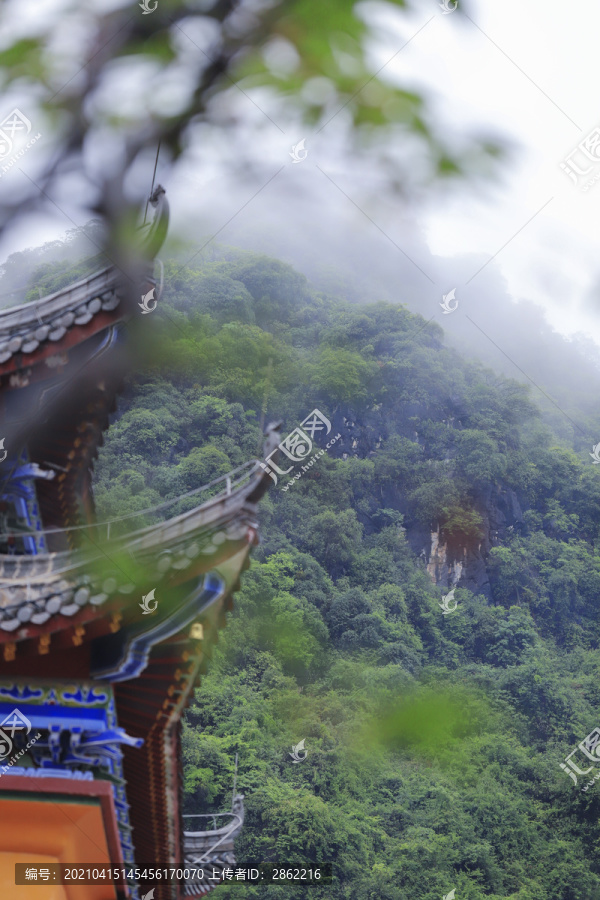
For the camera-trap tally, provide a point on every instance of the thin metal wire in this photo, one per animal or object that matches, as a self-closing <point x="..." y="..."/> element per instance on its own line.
<point x="254" y="463"/>
<point x="152" y="188"/>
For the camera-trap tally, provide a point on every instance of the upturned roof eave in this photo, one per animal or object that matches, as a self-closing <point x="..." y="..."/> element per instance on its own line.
<point x="185" y="525"/>
<point x="71" y="290"/>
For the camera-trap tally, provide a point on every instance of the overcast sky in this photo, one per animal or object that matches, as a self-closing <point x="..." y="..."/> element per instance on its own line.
<point x="523" y="73"/>
<point x="526" y="69"/>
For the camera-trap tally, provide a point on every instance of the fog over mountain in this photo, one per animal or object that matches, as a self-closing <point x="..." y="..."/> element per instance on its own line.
<point x="353" y="256"/>
<point x="360" y="252"/>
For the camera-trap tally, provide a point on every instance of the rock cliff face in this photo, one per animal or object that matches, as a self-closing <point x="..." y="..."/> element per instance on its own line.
<point x="448" y="566"/>
<point x="466" y="566"/>
<point x="442" y="566"/>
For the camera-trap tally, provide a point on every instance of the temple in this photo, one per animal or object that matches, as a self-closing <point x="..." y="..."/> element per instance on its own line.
<point x="103" y="636"/>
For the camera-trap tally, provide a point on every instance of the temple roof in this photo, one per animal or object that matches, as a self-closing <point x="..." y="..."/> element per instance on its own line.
<point x="58" y="590"/>
<point x="46" y="321"/>
<point x="70" y="592"/>
<point x="210" y="849"/>
<point x="35" y="330"/>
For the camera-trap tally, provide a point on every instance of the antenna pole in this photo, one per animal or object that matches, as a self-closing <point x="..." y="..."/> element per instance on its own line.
<point x="265" y="399"/>
<point x="234" y="781"/>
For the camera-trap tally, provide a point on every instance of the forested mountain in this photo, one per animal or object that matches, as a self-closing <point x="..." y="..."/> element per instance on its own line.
<point x="37" y="271"/>
<point x="434" y="741"/>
